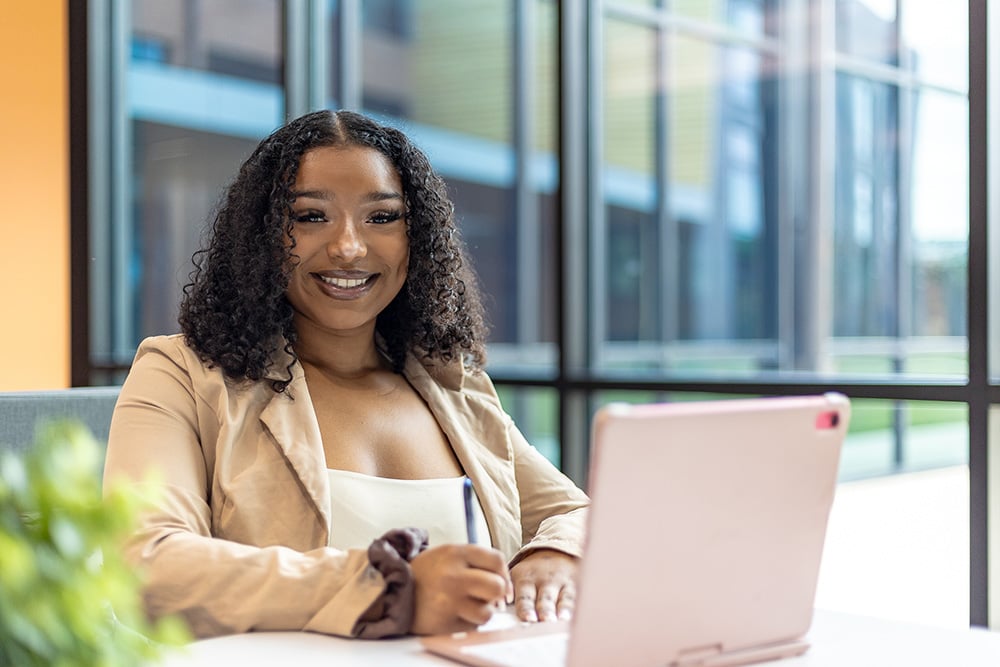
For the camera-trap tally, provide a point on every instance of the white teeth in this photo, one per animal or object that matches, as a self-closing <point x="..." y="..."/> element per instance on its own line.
<point x="343" y="283"/>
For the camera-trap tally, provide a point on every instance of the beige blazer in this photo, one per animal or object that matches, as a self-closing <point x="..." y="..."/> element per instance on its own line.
<point x="237" y="539"/>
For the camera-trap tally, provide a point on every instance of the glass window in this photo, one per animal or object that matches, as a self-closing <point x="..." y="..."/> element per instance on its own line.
<point x="689" y="180"/>
<point x="748" y="17"/>
<point x="868" y="29"/>
<point x="917" y="522"/>
<point x="866" y="227"/>
<point x="635" y="3"/>
<point x="903" y="436"/>
<point x="202" y="85"/>
<point x="929" y="39"/>
<point x="898" y="547"/>
<point x="627" y="253"/>
<point x="939" y="202"/>
<point x="901" y="230"/>
<point x="179" y="173"/>
<point x="935" y="41"/>
<point x="744" y="234"/>
<point x="446" y="72"/>
<point x="229" y="37"/>
<point x="411" y="73"/>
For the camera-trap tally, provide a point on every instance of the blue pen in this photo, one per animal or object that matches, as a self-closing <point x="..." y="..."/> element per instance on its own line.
<point x="470" y="523"/>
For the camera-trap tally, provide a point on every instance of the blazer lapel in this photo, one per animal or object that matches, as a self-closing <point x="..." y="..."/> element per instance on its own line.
<point x="291" y="421"/>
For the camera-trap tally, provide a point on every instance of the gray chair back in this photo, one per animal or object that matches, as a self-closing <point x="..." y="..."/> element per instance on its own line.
<point x="21" y="412"/>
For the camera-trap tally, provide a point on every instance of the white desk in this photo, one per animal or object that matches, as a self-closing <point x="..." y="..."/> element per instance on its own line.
<point x="838" y="640"/>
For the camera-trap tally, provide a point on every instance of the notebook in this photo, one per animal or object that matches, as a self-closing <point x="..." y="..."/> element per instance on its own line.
<point x="704" y="538"/>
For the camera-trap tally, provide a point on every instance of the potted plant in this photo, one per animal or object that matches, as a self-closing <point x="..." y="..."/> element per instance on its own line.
<point x="66" y="595"/>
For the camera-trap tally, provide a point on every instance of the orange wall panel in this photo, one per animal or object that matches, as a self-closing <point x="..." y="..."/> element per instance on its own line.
<point x="34" y="189"/>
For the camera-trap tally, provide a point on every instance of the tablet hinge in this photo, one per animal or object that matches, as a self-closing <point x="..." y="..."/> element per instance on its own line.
<point x="696" y="655"/>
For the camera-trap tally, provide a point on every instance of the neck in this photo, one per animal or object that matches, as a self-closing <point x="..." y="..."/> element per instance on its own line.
<point x="346" y="355"/>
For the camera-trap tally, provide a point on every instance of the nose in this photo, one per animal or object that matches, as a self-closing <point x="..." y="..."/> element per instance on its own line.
<point x="346" y="241"/>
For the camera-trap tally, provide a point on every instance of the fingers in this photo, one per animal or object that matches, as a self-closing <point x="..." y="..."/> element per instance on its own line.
<point x="566" y="603"/>
<point x="482" y="585"/>
<point x="482" y="558"/>
<point x="473" y="611"/>
<point x="548" y="602"/>
<point x="457" y="587"/>
<point x="492" y="561"/>
<point x="525" y="596"/>
<point x="544" y="587"/>
<point x="545" y="604"/>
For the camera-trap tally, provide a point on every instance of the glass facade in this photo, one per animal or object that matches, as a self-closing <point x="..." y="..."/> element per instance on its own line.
<point x="711" y="253"/>
<point x="775" y="194"/>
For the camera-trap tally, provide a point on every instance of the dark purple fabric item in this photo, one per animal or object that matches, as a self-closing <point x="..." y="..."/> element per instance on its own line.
<point x="392" y="613"/>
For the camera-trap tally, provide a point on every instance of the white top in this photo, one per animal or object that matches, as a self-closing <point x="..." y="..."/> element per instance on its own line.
<point x="363" y="508"/>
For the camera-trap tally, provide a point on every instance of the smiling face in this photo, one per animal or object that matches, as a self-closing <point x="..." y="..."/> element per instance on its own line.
<point x="349" y="226"/>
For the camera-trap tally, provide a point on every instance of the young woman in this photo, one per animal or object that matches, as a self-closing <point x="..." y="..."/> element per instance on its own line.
<point x="310" y="430"/>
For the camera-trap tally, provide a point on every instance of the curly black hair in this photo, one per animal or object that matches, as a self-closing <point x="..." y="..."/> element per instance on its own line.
<point x="234" y="312"/>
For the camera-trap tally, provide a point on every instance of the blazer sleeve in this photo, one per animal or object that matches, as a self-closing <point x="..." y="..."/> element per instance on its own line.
<point x="553" y="508"/>
<point x="217" y="586"/>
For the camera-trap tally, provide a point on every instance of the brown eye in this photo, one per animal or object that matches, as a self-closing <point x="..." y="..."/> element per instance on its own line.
<point x="310" y="216"/>
<point x="385" y="217"/>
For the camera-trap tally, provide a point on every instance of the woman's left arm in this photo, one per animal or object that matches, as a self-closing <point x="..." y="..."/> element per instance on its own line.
<point x="553" y="518"/>
<point x="553" y="508"/>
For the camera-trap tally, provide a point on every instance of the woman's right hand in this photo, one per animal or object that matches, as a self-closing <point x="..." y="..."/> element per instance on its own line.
<point x="458" y="586"/>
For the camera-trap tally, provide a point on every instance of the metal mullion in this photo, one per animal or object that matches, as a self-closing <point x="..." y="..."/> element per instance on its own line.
<point x="597" y="230"/>
<point x="571" y="231"/>
<point x="902" y="254"/>
<point x="669" y="246"/>
<point x="978" y="322"/>
<point x="99" y="176"/>
<point x="815" y="304"/>
<point x="122" y="334"/>
<point x="791" y="132"/>
<point x="594" y="230"/>
<point x="526" y="212"/>
<point x="296" y="48"/>
<point x="528" y="256"/>
<point x="307" y="56"/>
<point x="80" y="179"/>
<point x="992" y="511"/>
<point x="349" y="56"/>
<point x="318" y="58"/>
<point x="911" y="391"/>
<point x="887" y="74"/>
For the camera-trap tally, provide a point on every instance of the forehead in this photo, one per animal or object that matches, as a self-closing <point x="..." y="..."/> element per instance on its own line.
<point x="346" y="166"/>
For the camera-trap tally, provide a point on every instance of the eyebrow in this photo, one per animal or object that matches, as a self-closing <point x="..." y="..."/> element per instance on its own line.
<point x="325" y="195"/>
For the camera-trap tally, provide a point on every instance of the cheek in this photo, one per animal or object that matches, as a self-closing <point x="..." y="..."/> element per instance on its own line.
<point x="400" y="252"/>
